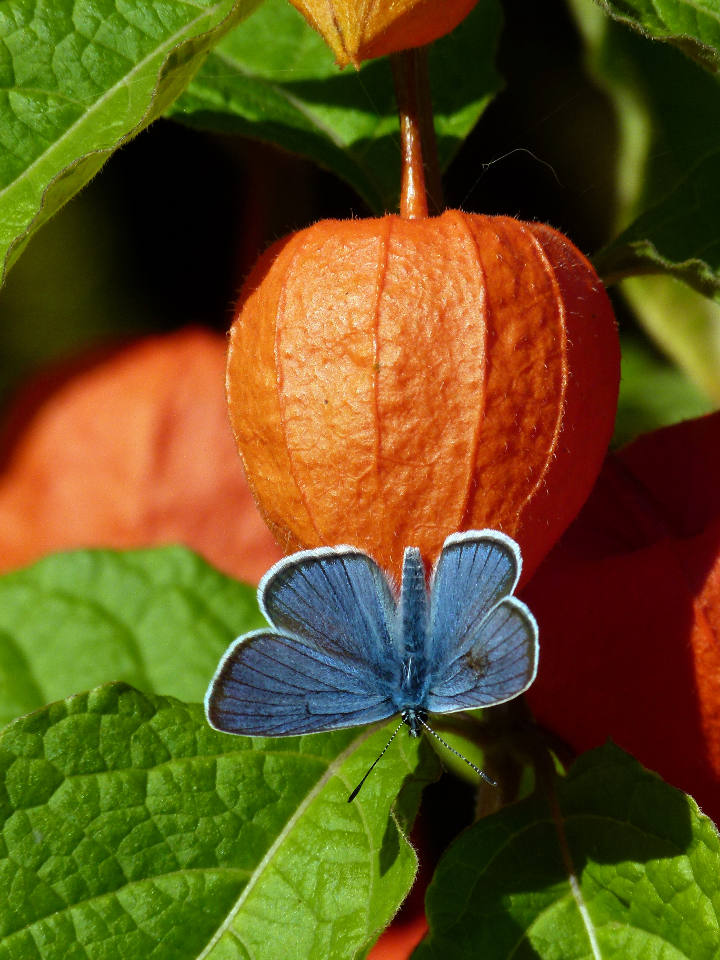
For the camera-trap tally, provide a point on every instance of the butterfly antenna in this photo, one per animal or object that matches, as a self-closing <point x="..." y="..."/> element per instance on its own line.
<point x="356" y="791"/>
<point x="478" y="771"/>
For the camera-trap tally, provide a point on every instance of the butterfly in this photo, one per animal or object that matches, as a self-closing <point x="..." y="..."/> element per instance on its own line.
<point x="346" y="648"/>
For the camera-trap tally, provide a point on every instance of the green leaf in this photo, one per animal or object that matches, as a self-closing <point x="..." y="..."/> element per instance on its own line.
<point x="621" y="865"/>
<point x="159" y="619"/>
<point x="668" y="161"/>
<point x="275" y="79"/>
<point x="131" y="829"/>
<point x="653" y="393"/>
<point x="692" y="25"/>
<point x="685" y="324"/>
<point x="679" y="235"/>
<point x="77" y="79"/>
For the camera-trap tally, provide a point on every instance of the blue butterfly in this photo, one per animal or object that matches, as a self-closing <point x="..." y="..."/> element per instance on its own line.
<point x="345" y="650"/>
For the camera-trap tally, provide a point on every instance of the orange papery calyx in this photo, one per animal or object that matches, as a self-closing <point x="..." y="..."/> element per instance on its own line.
<point x="392" y="380"/>
<point x="130" y="447"/>
<point x="628" y="605"/>
<point x="357" y="31"/>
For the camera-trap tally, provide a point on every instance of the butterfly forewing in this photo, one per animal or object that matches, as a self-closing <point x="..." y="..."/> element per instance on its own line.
<point x="475" y="571"/>
<point x="337" y="599"/>
<point x="272" y="685"/>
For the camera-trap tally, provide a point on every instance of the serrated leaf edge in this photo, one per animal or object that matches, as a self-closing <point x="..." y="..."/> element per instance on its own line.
<point x="699" y="51"/>
<point x="638" y="258"/>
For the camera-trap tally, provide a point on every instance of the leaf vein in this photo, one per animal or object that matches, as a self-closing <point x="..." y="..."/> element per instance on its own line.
<point x="124" y="81"/>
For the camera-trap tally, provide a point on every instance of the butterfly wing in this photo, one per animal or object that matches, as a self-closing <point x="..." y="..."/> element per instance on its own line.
<point x="271" y="685"/>
<point x="329" y="664"/>
<point x="483" y="642"/>
<point x="498" y="665"/>
<point x="335" y="598"/>
<point x="475" y="570"/>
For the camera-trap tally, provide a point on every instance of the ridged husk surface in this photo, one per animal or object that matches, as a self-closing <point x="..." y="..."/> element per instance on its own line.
<point x="391" y="381"/>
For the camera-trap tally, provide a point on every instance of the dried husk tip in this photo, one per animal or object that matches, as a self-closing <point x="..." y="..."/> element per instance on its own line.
<point x="357" y="30"/>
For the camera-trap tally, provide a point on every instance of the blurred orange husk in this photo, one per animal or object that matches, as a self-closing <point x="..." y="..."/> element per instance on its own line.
<point x="401" y="938"/>
<point x="628" y="605"/>
<point x="126" y="448"/>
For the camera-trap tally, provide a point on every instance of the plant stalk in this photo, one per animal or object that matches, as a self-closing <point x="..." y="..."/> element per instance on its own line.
<point x="421" y="188"/>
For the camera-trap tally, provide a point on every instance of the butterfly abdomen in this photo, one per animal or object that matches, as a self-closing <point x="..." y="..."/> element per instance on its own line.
<point x="412" y="623"/>
<point x="413" y="606"/>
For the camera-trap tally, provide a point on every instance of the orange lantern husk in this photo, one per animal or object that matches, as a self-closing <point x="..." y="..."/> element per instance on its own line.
<point x="393" y="380"/>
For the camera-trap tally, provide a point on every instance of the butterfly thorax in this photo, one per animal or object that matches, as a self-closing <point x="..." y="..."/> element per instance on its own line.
<point x="411" y="685"/>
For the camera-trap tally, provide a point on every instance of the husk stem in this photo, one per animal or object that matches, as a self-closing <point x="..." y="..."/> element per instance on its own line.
<point x="421" y="187"/>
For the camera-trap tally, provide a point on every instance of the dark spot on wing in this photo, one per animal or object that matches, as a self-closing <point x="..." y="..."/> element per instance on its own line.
<point x="478" y="661"/>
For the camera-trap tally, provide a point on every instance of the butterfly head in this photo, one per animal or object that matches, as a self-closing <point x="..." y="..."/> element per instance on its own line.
<point x="415" y="719"/>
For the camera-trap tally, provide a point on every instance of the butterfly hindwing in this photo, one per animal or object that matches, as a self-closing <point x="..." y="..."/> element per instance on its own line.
<point x="483" y="641"/>
<point x="500" y="664"/>
<point x="270" y="685"/>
